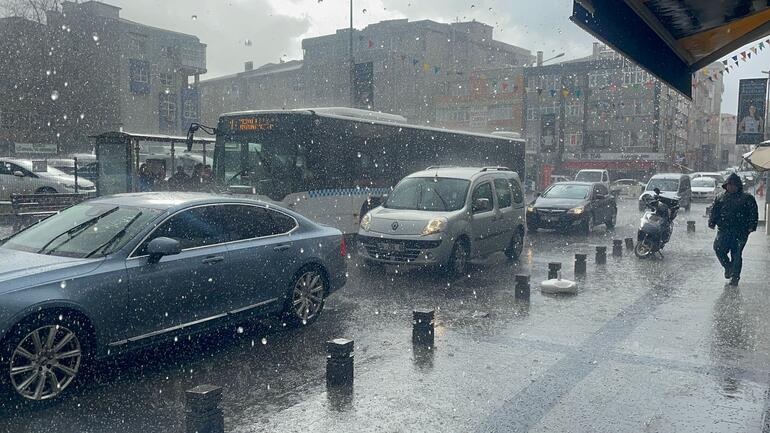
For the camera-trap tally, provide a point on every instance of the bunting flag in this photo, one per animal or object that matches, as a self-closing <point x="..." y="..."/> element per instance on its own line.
<point x="564" y="93"/>
<point x="553" y="93"/>
<point x="735" y="58"/>
<point x="415" y="62"/>
<point x="425" y="67"/>
<point x="724" y="62"/>
<point x="371" y="44"/>
<point x="577" y="92"/>
<point x="436" y="70"/>
<point x="761" y="45"/>
<point x="539" y="91"/>
<point x="754" y="50"/>
<point x="505" y="87"/>
<point x="743" y="55"/>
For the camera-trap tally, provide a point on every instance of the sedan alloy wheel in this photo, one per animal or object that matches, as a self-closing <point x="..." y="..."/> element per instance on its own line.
<point x="45" y="362"/>
<point x="308" y="296"/>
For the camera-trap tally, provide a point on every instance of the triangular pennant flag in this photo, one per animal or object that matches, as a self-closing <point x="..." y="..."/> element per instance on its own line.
<point x="754" y="50"/>
<point x="505" y="86"/>
<point x="564" y="92"/>
<point x="724" y="62"/>
<point x="736" y="63"/>
<point x="735" y="58"/>
<point x="705" y="73"/>
<point x="711" y="79"/>
<point x="761" y="45"/>
<point x="539" y="91"/>
<point x="743" y="54"/>
<point x="436" y="69"/>
<point x="415" y="62"/>
<point x="749" y="55"/>
<point x="767" y="41"/>
<point x="553" y="93"/>
<point x="425" y="67"/>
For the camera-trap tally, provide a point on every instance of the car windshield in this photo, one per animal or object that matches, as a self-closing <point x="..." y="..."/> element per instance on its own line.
<point x="84" y="230"/>
<point x="663" y="184"/>
<point x="703" y="182"/>
<point x="429" y="194"/>
<point x="568" y="191"/>
<point x="589" y="176"/>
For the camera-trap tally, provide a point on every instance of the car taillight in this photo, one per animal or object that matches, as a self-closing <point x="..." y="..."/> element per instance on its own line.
<point x="343" y="248"/>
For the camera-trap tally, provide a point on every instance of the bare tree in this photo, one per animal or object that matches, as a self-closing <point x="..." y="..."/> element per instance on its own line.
<point x="30" y="9"/>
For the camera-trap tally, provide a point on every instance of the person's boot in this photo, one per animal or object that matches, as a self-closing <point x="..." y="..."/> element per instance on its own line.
<point x="734" y="281"/>
<point x="728" y="273"/>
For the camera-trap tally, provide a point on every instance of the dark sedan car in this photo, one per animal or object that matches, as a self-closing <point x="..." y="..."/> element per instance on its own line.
<point x="565" y="205"/>
<point x="119" y="272"/>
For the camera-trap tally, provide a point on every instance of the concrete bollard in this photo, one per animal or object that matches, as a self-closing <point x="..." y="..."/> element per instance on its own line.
<point x="630" y="244"/>
<point x="617" y="248"/>
<point x="339" y="362"/>
<point x="580" y="264"/>
<point x="601" y="255"/>
<point x="422" y="327"/>
<point x="553" y="270"/>
<point x="202" y="412"/>
<point x="522" y="287"/>
<point x="690" y="226"/>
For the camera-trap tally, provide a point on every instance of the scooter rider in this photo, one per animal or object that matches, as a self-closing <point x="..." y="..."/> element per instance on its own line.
<point x="735" y="213"/>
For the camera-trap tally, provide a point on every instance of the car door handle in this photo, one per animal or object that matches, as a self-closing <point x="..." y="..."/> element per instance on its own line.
<point x="281" y="247"/>
<point x="213" y="259"/>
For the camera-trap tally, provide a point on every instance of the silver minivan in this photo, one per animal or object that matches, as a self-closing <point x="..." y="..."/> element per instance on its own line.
<point x="444" y="216"/>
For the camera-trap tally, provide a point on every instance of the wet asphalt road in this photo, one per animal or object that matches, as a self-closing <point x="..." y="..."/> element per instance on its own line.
<point x="645" y="346"/>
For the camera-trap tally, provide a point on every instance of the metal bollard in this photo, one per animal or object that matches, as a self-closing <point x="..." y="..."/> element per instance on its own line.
<point x="690" y="226"/>
<point x="339" y="362"/>
<point x="580" y="264"/>
<point x="601" y="255"/>
<point x="617" y="248"/>
<point x="521" y="291"/>
<point x="553" y="270"/>
<point x="202" y="412"/>
<point x="629" y="243"/>
<point x="422" y="327"/>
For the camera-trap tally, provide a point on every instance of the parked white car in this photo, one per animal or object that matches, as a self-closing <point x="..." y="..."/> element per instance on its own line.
<point x="597" y="176"/>
<point x="704" y="188"/>
<point x="627" y="188"/>
<point x="17" y="176"/>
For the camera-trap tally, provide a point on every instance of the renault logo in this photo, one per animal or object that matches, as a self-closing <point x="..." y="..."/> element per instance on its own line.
<point x="394" y="226"/>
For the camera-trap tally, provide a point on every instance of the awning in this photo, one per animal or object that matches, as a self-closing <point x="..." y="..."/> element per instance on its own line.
<point x="674" y="38"/>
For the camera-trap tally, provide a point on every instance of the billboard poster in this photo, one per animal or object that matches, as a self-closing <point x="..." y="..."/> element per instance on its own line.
<point x="548" y="132"/>
<point x="751" y="111"/>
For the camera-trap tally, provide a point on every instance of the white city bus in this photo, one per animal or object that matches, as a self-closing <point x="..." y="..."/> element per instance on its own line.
<point x="334" y="164"/>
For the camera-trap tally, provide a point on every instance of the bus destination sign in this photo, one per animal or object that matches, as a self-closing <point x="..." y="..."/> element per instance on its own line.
<point x="250" y="124"/>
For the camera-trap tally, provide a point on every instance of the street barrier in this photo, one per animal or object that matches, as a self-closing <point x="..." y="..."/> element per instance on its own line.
<point x="553" y="270"/>
<point x="601" y="255"/>
<point x="580" y="264"/>
<point x="617" y="248"/>
<point x="339" y="362"/>
<point x="422" y="327"/>
<point x="202" y="412"/>
<point x="521" y="292"/>
<point x="630" y="243"/>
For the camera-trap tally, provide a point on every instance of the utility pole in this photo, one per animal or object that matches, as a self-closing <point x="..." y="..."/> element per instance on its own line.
<point x="352" y="61"/>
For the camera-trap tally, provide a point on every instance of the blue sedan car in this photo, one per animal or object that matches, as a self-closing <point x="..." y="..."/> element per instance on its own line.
<point x="120" y="272"/>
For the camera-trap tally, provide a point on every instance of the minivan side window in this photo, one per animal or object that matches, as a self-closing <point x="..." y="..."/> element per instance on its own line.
<point x="483" y="191"/>
<point x="503" y="191"/>
<point x="518" y="196"/>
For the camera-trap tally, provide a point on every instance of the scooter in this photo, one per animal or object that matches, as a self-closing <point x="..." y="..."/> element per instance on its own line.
<point x="656" y="225"/>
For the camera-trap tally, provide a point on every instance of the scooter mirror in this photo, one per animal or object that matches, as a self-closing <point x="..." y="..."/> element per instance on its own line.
<point x="657" y="191"/>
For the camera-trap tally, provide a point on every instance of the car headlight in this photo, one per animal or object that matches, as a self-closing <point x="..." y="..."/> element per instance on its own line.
<point x="69" y="185"/>
<point x="576" y="210"/>
<point x="436" y="225"/>
<point x="366" y="221"/>
<point x="530" y="208"/>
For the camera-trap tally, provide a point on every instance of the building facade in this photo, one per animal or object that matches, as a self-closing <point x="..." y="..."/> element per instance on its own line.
<point x="397" y="66"/>
<point x="91" y="71"/>
<point x="704" y="119"/>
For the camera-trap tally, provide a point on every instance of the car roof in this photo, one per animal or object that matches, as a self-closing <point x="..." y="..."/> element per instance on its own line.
<point x="458" y="172"/>
<point x="668" y="176"/>
<point x="575" y="182"/>
<point x="166" y="200"/>
<point x="601" y="170"/>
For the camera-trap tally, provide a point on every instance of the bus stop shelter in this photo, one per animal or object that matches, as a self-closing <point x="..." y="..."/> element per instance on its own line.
<point x="120" y="154"/>
<point x="674" y="38"/>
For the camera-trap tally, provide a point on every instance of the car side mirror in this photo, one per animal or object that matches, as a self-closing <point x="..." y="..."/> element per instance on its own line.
<point x="481" y="205"/>
<point x="162" y="246"/>
<point x="538" y="194"/>
<point x="18" y="173"/>
<point x="384" y="199"/>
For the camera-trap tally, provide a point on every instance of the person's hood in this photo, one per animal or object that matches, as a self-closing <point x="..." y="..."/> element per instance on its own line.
<point x="735" y="180"/>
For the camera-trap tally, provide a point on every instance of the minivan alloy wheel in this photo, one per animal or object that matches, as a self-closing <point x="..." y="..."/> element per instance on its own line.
<point x="308" y="295"/>
<point x="45" y="362"/>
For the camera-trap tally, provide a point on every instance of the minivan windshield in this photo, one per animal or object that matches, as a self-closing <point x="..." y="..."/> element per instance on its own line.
<point x="663" y="184"/>
<point x="567" y="190"/>
<point x="429" y="194"/>
<point x="85" y="230"/>
<point x="703" y="182"/>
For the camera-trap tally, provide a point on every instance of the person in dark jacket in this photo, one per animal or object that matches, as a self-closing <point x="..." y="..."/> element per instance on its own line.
<point x="735" y="213"/>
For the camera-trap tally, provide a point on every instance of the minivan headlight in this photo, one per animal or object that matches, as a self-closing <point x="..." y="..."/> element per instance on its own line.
<point x="436" y="225"/>
<point x="366" y="221"/>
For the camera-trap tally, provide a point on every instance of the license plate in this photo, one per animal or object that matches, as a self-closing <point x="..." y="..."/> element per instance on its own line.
<point x="392" y="247"/>
<point x="550" y="219"/>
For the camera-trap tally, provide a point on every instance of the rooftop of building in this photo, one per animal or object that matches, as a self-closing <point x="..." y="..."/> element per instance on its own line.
<point x="266" y="69"/>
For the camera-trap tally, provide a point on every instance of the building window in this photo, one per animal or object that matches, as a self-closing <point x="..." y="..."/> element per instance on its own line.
<point x="136" y="45"/>
<point x="169" y="52"/>
<point x="533" y="113"/>
<point x="501" y="112"/>
<point x="550" y="109"/>
<point x="598" y="79"/>
<point x="597" y="140"/>
<point x="167" y="79"/>
<point x="574" y="109"/>
<point x="167" y="107"/>
<point x="139" y="76"/>
<point x="190" y="109"/>
<point x="575" y="140"/>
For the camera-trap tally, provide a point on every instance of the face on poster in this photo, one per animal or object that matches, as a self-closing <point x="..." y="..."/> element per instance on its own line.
<point x="751" y="111"/>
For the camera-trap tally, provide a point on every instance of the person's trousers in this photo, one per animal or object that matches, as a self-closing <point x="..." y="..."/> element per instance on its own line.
<point x="732" y="243"/>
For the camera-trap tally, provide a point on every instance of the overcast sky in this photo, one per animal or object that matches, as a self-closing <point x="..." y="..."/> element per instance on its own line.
<point x="275" y="28"/>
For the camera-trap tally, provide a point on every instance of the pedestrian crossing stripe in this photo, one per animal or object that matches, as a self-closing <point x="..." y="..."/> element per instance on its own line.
<point x="347" y="192"/>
